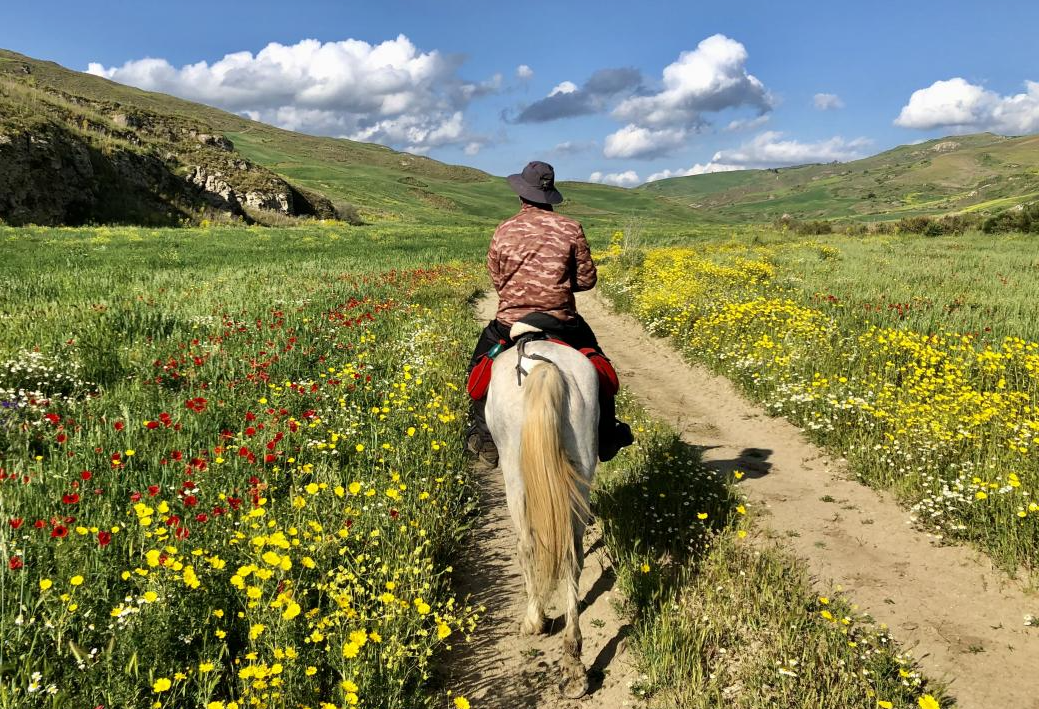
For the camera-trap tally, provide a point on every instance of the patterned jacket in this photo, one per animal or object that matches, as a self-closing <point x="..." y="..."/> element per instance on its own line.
<point x="538" y="259"/>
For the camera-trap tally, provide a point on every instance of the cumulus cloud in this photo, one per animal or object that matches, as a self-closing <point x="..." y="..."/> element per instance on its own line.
<point x="961" y="106"/>
<point x="747" y="124"/>
<point x="696" y="169"/>
<point x="524" y="72"/>
<point x="390" y="93"/>
<point x="567" y="99"/>
<point x="628" y="178"/>
<point x="711" y="78"/>
<point x="769" y="149"/>
<point x="633" y="141"/>
<point x="827" y="102"/>
<point x="574" y="147"/>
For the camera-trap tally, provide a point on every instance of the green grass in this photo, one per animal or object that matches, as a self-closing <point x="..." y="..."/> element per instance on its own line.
<point x="230" y="469"/>
<point x="982" y="172"/>
<point x="723" y="618"/>
<point x="916" y="358"/>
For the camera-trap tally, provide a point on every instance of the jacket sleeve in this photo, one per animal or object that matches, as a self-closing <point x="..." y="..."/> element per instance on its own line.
<point x="585" y="274"/>
<point x="493" y="265"/>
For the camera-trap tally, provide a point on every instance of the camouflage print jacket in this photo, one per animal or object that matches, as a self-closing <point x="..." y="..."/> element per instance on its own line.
<point x="538" y="259"/>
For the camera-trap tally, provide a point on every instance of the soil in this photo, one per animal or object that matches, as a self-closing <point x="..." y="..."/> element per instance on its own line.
<point x="961" y="618"/>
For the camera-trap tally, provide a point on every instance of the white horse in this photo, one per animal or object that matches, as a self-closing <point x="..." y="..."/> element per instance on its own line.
<point x="543" y="412"/>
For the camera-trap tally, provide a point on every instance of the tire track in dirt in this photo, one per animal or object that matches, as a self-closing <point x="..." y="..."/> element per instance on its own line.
<point x="963" y="619"/>
<point x="499" y="668"/>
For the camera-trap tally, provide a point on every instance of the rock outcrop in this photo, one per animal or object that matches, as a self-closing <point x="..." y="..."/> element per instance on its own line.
<point x="75" y="161"/>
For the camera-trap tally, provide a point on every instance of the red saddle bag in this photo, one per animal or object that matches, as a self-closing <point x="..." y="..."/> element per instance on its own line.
<point x="480" y="378"/>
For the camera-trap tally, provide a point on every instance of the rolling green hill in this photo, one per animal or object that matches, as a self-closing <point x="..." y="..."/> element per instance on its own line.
<point x="968" y="173"/>
<point x="160" y="134"/>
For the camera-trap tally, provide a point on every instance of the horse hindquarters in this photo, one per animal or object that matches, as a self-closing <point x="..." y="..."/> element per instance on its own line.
<point x="555" y="510"/>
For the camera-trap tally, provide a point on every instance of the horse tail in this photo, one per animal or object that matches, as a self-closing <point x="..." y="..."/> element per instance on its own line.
<point x="553" y="487"/>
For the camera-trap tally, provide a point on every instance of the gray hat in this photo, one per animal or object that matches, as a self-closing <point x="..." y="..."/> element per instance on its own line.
<point x="536" y="183"/>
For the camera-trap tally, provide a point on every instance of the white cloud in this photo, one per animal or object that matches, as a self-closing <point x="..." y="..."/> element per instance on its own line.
<point x="746" y="124"/>
<point x="711" y="78"/>
<point x="827" y="102"/>
<point x="573" y="147"/>
<point x="696" y="169"/>
<point x="768" y="149"/>
<point x="628" y="178"/>
<point x="524" y="72"/>
<point x="964" y="107"/>
<point x="390" y="92"/>
<point x="567" y="87"/>
<point x="633" y="141"/>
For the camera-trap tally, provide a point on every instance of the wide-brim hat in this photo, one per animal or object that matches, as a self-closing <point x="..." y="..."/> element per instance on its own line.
<point x="536" y="183"/>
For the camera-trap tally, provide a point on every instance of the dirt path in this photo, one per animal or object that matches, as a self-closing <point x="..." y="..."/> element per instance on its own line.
<point x="500" y="669"/>
<point x="963" y="619"/>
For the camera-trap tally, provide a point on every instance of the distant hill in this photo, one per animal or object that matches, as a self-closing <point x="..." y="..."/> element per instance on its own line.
<point x="79" y="148"/>
<point x="966" y="173"/>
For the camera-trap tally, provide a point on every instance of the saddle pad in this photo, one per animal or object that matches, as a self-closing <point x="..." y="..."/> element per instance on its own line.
<point x="480" y="378"/>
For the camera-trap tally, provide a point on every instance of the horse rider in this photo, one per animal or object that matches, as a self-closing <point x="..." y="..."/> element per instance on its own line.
<point x="537" y="260"/>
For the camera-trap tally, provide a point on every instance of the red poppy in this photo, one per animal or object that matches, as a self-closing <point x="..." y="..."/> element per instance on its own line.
<point x="104" y="538"/>
<point x="153" y="490"/>
<point x="70" y="498"/>
<point x="15" y="563"/>
<point x="182" y="533"/>
<point x="16" y="522"/>
<point x="59" y="531"/>
<point x="190" y="500"/>
<point x="61" y="438"/>
<point x="151" y="425"/>
<point x="86" y="475"/>
<point x="53" y="418"/>
<point x="119" y="425"/>
<point x="39" y="524"/>
<point x="135" y="497"/>
<point x="201" y="517"/>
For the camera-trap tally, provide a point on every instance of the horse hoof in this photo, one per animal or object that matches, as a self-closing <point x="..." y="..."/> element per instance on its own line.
<point x="575" y="683"/>
<point x="532" y="627"/>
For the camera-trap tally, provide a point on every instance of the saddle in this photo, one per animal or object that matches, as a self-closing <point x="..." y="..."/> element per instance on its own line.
<point x="529" y="329"/>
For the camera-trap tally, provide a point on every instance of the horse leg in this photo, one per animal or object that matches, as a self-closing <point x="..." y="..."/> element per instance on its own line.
<point x="575" y="678"/>
<point x="534" y="621"/>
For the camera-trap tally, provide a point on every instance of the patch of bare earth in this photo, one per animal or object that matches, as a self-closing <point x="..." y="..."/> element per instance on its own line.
<point x="499" y="668"/>
<point x="963" y="619"/>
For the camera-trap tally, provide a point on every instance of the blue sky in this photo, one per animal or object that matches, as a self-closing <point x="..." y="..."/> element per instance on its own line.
<point x="750" y="84"/>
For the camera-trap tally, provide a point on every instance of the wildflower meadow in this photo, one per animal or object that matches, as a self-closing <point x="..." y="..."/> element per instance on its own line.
<point x="916" y="358"/>
<point x="230" y="474"/>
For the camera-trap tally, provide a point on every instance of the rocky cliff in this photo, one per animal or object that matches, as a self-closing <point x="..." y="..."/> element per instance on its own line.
<point x="67" y="160"/>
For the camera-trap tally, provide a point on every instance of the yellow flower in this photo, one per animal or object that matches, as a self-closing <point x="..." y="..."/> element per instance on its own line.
<point x="204" y="667"/>
<point x="461" y="703"/>
<point x="130" y="452"/>
<point x="884" y="705"/>
<point x="355" y="487"/>
<point x="256" y="630"/>
<point x="161" y="685"/>
<point x="150" y="596"/>
<point x="645" y="568"/>
<point x="215" y="705"/>
<point x="701" y="515"/>
<point x="928" y="702"/>
<point x="76" y="580"/>
<point x="350" y="650"/>
<point x="292" y="611"/>
<point x="310" y="671"/>
<point x="45" y="584"/>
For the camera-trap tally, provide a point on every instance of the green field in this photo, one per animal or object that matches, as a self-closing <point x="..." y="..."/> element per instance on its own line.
<point x="232" y="477"/>
<point x="916" y="358"/>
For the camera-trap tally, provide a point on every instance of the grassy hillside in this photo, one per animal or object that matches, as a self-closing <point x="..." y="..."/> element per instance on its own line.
<point x="384" y="184"/>
<point x="982" y="172"/>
